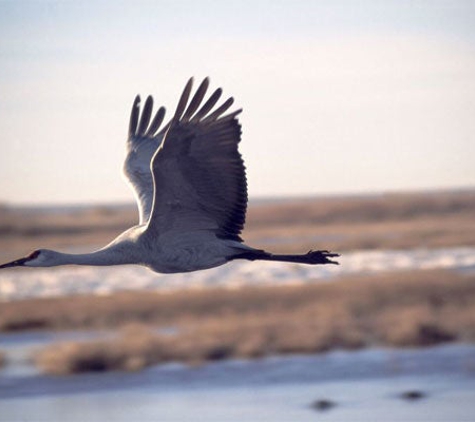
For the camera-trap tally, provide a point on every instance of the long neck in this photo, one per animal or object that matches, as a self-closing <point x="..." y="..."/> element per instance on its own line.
<point x="103" y="257"/>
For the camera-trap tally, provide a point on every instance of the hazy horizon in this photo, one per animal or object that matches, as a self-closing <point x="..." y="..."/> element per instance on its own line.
<point x="338" y="97"/>
<point x="253" y="200"/>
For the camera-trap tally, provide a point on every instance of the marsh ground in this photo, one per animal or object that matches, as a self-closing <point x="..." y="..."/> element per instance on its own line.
<point x="416" y="308"/>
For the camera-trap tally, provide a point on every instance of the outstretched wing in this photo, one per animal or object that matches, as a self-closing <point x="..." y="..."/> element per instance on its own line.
<point x="144" y="139"/>
<point x="199" y="175"/>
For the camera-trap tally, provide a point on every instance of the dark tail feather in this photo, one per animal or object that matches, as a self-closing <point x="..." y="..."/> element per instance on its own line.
<point x="311" y="257"/>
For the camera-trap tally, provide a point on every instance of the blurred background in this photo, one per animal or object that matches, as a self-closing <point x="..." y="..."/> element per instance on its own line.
<point x="357" y="137"/>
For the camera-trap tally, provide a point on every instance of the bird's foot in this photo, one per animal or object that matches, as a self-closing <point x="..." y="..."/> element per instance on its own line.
<point x="321" y="257"/>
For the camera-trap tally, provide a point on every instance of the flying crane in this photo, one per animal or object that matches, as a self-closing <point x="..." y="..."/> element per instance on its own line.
<point x="190" y="185"/>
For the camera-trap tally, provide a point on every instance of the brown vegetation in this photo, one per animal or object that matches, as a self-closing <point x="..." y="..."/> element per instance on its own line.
<point x="419" y="308"/>
<point x="406" y="309"/>
<point x="389" y="221"/>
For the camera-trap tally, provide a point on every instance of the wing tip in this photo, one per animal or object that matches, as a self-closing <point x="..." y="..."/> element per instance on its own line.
<point x="134" y="116"/>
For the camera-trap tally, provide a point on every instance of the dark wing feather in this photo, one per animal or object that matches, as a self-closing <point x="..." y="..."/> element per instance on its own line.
<point x="146" y="114"/>
<point x="199" y="175"/>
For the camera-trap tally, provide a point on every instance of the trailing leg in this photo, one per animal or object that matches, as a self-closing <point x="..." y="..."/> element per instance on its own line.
<point x="311" y="257"/>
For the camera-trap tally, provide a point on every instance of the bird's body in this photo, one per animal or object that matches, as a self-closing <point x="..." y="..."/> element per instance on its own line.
<point x="185" y="253"/>
<point x="176" y="253"/>
<point x="190" y="185"/>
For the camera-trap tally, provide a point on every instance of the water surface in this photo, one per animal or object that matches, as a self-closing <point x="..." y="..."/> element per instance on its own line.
<point x="364" y="385"/>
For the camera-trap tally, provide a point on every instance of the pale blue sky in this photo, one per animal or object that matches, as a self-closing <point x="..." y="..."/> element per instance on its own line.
<point x="338" y="96"/>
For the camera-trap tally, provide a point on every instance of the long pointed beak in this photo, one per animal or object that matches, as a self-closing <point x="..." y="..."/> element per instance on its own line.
<point x="17" y="263"/>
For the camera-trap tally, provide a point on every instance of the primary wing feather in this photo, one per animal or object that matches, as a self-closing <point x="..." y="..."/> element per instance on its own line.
<point x="199" y="175"/>
<point x="144" y="139"/>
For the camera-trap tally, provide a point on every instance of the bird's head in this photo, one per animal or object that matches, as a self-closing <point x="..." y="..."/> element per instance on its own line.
<point x="38" y="258"/>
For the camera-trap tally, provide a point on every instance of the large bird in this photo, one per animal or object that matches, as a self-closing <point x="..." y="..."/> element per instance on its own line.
<point x="190" y="184"/>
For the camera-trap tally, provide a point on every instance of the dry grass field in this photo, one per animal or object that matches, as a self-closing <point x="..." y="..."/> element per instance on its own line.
<point x="390" y="221"/>
<point x="400" y="309"/>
